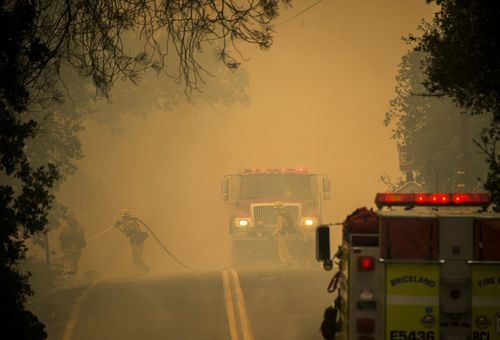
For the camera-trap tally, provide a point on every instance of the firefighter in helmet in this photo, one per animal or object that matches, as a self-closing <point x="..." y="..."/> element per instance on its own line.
<point x="284" y="231"/>
<point x="72" y="241"/>
<point x="129" y="225"/>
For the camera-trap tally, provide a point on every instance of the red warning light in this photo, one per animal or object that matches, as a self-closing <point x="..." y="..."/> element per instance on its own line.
<point x="395" y="199"/>
<point x="365" y="326"/>
<point x="438" y="198"/>
<point x="443" y="198"/>
<point x="480" y="199"/>
<point x="420" y="198"/>
<point x="459" y="198"/>
<point x="366" y="263"/>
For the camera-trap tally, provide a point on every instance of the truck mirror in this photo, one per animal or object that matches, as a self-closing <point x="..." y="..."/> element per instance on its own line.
<point x="225" y="189"/>
<point x="323" y="243"/>
<point x="326" y="188"/>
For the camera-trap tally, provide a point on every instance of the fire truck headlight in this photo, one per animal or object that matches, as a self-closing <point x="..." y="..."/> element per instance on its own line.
<point x="242" y="222"/>
<point x="310" y="222"/>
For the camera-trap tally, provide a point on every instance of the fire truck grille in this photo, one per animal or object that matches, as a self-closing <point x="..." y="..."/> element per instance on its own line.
<point x="265" y="215"/>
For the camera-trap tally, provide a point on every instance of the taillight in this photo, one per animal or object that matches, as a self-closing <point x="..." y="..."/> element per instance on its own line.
<point x="365" y="325"/>
<point x="366" y="263"/>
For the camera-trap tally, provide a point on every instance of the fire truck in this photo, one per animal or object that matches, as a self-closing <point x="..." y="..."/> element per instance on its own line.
<point x="423" y="266"/>
<point x="251" y="197"/>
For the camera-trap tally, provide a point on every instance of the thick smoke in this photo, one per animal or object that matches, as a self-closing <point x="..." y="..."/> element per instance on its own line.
<point x="317" y="100"/>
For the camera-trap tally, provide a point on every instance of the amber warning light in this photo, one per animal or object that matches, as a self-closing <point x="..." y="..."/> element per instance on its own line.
<point x="432" y="199"/>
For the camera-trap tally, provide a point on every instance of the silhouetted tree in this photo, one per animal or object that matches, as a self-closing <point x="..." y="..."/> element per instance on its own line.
<point x="221" y="88"/>
<point x="462" y="48"/>
<point x="430" y="128"/>
<point x="39" y="39"/>
<point x="24" y="196"/>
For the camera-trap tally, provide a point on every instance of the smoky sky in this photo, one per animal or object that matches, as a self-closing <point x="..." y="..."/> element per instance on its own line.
<point x="316" y="99"/>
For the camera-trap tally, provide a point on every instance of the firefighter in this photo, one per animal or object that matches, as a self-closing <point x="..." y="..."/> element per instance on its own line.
<point x="283" y="232"/>
<point x="129" y="225"/>
<point x="72" y="241"/>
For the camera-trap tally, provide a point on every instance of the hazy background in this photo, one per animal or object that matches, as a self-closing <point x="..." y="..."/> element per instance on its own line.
<point x="317" y="100"/>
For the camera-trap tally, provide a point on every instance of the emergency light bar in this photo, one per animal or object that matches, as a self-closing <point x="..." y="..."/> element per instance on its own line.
<point x="432" y="199"/>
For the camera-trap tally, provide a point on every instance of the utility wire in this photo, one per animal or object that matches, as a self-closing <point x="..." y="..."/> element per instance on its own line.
<point x="300" y="13"/>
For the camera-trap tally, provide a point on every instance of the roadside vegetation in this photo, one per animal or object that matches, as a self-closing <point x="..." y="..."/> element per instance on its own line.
<point x="56" y="57"/>
<point x="447" y="106"/>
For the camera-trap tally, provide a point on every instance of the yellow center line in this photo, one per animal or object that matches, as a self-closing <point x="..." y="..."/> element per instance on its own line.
<point x="245" y="324"/>
<point x="228" y="297"/>
<point x="75" y="312"/>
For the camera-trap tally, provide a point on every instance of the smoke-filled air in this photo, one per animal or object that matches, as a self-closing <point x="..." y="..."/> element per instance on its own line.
<point x="315" y="100"/>
<point x="176" y="169"/>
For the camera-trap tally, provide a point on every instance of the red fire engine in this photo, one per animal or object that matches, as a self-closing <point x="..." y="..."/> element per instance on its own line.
<point x="251" y="197"/>
<point x="427" y="270"/>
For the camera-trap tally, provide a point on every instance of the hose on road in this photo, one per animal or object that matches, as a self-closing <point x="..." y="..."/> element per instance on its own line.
<point x="247" y="255"/>
<point x="181" y="263"/>
<point x="176" y="259"/>
<point x="169" y="253"/>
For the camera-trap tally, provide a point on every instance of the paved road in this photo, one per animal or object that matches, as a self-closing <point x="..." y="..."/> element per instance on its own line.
<point x="229" y="305"/>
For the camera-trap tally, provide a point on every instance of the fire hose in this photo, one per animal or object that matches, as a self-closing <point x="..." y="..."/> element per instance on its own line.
<point x="169" y="253"/>
<point x="176" y="259"/>
<point x="99" y="235"/>
<point x="331" y="324"/>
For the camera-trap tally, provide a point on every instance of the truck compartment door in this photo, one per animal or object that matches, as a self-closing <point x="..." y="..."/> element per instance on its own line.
<point x="486" y="280"/>
<point x="412" y="301"/>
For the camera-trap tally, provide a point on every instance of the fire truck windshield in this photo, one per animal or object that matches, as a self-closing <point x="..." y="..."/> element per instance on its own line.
<point x="278" y="186"/>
